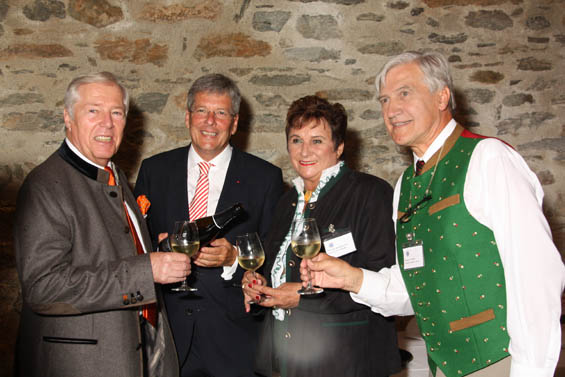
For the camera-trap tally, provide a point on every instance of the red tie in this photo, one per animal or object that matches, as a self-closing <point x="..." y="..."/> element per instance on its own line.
<point x="419" y="166"/>
<point x="149" y="311"/>
<point x="199" y="205"/>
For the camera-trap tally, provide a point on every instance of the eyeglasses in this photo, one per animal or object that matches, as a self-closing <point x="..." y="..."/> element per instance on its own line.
<point x="410" y="212"/>
<point x="202" y="112"/>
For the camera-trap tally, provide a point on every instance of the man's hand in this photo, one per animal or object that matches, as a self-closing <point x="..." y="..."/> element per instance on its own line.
<point x="169" y="267"/>
<point x="329" y="272"/>
<point x="218" y="254"/>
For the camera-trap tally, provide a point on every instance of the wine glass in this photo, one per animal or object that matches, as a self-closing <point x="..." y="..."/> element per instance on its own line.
<point x="305" y="243"/>
<point x="250" y="254"/>
<point x="184" y="239"/>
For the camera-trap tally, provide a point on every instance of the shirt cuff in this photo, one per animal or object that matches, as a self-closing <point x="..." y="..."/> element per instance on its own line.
<point x="368" y="288"/>
<point x="384" y="292"/>
<point x="229" y="271"/>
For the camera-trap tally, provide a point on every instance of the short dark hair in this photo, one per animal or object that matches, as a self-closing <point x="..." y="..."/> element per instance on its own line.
<point x="218" y="84"/>
<point x="309" y="108"/>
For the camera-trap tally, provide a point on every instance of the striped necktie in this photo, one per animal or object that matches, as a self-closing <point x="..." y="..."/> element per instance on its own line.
<point x="149" y="311"/>
<point x="199" y="205"/>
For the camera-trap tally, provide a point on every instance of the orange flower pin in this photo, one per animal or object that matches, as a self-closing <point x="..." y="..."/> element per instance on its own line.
<point x="143" y="204"/>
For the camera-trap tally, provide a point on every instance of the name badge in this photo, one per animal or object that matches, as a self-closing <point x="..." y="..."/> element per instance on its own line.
<point x="413" y="253"/>
<point x="339" y="243"/>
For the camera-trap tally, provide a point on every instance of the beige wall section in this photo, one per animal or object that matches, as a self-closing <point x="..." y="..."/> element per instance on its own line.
<point x="507" y="56"/>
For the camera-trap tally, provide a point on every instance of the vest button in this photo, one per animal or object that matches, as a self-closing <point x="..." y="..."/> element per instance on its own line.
<point x="291" y="263"/>
<point x="188" y="312"/>
<point x="113" y="194"/>
<point x="126" y="229"/>
<point x="287" y="335"/>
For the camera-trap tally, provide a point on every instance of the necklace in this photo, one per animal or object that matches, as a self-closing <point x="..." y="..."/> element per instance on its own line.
<point x="427" y="196"/>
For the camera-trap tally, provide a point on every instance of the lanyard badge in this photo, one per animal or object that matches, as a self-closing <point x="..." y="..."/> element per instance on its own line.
<point x="338" y="242"/>
<point x="413" y="252"/>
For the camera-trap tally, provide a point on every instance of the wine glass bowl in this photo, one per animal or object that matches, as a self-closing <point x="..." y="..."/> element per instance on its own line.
<point x="251" y="255"/>
<point x="306" y="243"/>
<point x="184" y="239"/>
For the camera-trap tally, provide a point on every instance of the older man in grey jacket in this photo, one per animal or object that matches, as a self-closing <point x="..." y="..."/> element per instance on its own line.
<point x="90" y="303"/>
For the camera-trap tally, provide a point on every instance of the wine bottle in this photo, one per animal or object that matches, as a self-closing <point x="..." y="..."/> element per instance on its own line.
<point x="209" y="227"/>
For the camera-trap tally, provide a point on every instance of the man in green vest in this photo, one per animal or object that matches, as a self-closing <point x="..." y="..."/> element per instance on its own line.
<point x="476" y="263"/>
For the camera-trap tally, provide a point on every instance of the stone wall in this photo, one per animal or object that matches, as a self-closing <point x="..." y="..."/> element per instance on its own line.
<point x="507" y="57"/>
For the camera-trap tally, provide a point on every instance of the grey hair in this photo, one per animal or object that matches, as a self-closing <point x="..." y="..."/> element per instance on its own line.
<point x="433" y="65"/>
<point x="218" y="84"/>
<point x="72" y="96"/>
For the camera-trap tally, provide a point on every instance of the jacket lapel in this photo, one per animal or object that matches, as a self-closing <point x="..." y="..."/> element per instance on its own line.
<point x="230" y="191"/>
<point x="132" y="203"/>
<point x="176" y="190"/>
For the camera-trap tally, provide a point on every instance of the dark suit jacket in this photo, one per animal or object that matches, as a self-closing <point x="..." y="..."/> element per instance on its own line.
<point x="76" y="262"/>
<point x="214" y="318"/>
<point x="330" y="334"/>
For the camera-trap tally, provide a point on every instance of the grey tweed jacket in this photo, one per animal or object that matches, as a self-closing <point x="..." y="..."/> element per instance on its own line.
<point x="82" y="280"/>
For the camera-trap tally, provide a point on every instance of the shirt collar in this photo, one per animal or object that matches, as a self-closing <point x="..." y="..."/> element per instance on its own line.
<point x="332" y="170"/>
<point x="221" y="159"/>
<point x="437" y="143"/>
<point x="84" y="158"/>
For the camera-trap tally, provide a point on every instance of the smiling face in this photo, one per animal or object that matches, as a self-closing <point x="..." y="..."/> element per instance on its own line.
<point x="97" y="127"/>
<point x="311" y="150"/>
<point x="413" y="115"/>
<point x="210" y="134"/>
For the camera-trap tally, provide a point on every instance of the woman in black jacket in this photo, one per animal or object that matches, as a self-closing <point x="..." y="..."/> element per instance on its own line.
<point x="327" y="334"/>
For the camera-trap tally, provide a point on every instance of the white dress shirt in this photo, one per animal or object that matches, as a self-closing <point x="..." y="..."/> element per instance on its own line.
<point x="216" y="178"/>
<point x="111" y="166"/>
<point x="502" y="193"/>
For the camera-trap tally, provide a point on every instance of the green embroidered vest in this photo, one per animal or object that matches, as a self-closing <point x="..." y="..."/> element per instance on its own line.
<point x="459" y="295"/>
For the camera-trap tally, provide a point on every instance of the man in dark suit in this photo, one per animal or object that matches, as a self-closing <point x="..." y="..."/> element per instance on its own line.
<point x="213" y="334"/>
<point x="82" y="253"/>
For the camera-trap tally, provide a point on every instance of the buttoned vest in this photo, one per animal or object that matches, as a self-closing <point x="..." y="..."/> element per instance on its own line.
<point x="459" y="295"/>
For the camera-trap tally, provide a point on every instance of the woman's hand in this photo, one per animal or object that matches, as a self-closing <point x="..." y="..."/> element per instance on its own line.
<point x="331" y="272"/>
<point x="283" y="297"/>
<point x="249" y="284"/>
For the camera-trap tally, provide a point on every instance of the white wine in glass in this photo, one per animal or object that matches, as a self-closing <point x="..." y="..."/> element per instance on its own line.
<point x="305" y="250"/>
<point x="306" y="243"/>
<point x="188" y="248"/>
<point x="184" y="239"/>
<point x="250" y="253"/>
<point x="250" y="263"/>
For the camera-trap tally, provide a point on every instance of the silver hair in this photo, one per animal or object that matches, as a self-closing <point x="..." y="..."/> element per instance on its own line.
<point x="72" y="95"/>
<point x="218" y="84"/>
<point x="433" y="65"/>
